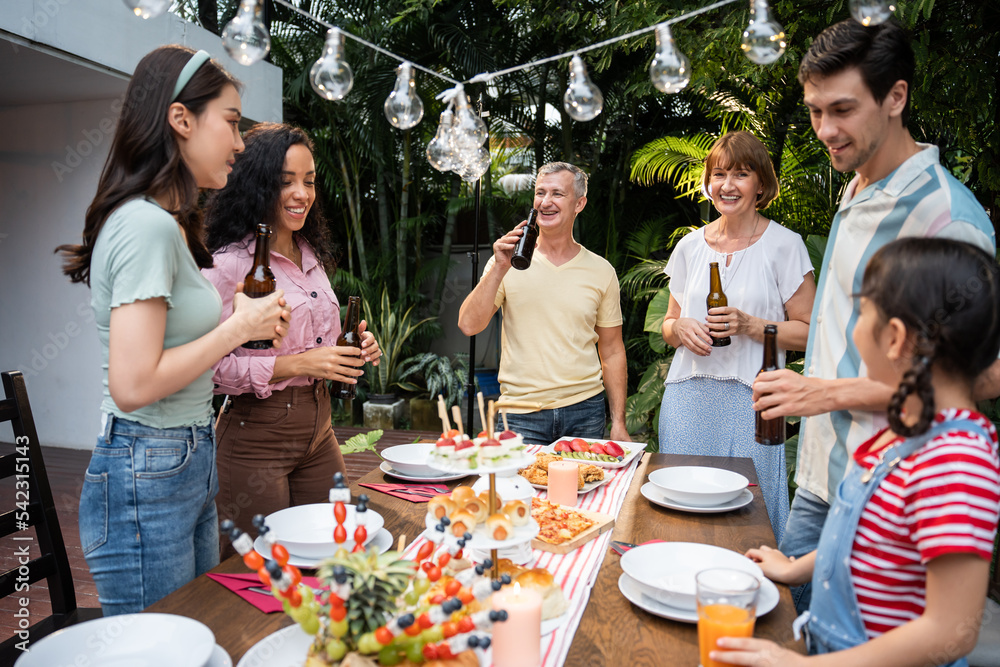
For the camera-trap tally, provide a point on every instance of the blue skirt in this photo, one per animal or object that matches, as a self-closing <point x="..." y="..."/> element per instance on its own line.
<point x="715" y="417"/>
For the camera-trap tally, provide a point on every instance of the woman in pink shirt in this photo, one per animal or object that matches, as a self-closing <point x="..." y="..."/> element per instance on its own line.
<point x="276" y="446"/>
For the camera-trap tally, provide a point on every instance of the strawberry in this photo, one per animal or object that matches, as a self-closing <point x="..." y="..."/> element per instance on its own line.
<point x="563" y="446"/>
<point x="507" y="435"/>
<point x="463" y="444"/>
<point x="579" y="445"/>
<point x="614" y="449"/>
<point x="492" y="442"/>
<point x="445" y="442"/>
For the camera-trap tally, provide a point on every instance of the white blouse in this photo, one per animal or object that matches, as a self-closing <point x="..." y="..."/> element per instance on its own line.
<point x="758" y="281"/>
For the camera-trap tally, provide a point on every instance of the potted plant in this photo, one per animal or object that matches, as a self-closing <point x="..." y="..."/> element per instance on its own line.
<point x="430" y="375"/>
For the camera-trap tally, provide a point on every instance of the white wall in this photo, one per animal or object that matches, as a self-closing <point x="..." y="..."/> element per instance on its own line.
<point x="46" y="323"/>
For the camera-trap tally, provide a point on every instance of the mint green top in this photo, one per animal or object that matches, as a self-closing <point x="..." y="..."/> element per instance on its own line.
<point x="141" y="254"/>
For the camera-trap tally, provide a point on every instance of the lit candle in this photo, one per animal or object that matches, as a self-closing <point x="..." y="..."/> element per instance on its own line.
<point x="517" y="642"/>
<point x="563" y="482"/>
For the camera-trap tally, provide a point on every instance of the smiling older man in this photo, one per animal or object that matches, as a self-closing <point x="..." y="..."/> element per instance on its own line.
<point x="561" y="342"/>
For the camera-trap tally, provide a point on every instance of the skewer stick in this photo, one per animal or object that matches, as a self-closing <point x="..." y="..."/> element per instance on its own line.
<point x="493" y="418"/>
<point x="482" y="414"/>
<point x="401" y="544"/>
<point x="443" y="414"/>
<point x="457" y="416"/>
<point x="503" y="413"/>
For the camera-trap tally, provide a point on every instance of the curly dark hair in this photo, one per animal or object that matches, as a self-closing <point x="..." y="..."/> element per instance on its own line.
<point x="253" y="194"/>
<point x="948" y="294"/>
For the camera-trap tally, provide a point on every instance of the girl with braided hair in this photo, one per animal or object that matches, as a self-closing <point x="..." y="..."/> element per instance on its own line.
<point x="900" y="574"/>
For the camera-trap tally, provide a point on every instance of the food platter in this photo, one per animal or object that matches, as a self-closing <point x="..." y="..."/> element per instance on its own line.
<point x="510" y="465"/>
<point x="587" y="487"/>
<point x="635" y="449"/>
<point x="481" y="539"/>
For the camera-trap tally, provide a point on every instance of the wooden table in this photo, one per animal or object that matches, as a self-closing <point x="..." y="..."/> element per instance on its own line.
<point x="612" y="631"/>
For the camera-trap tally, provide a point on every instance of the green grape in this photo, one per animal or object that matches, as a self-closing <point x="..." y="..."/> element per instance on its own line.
<point x="368" y="644"/>
<point x="336" y="649"/>
<point x="338" y="628"/>
<point x="389" y="656"/>
<point x="415" y="653"/>
<point x="421" y="585"/>
<point x="307" y="594"/>
<point x="310" y="624"/>
<point x="432" y="635"/>
<point x="412" y="597"/>
<point x="286" y="606"/>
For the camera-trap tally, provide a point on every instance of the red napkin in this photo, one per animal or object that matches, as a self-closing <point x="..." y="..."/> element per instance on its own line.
<point x="415" y="493"/>
<point x="239" y="583"/>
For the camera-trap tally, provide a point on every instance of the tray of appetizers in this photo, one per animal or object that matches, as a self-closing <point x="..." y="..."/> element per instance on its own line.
<point x="610" y="454"/>
<point x="455" y="452"/>
<point x="509" y="525"/>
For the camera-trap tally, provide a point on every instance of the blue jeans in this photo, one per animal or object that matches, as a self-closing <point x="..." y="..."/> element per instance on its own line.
<point x="147" y="512"/>
<point x="581" y="420"/>
<point x="802" y="531"/>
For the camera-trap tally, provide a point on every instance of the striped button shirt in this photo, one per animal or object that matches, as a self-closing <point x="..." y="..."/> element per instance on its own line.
<point x="919" y="198"/>
<point x="941" y="500"/>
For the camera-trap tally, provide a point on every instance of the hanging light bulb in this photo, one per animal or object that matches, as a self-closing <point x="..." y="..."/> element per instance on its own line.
<point x="403" y="107"/>
<point x="583" y="100"/>
<point x="670" y="70"/>
<point x="441" y="149"/>
<point x="871" y="12"/>
<point x="148" y="9"/>
<point x="764" y="38"/>
<point x="331" y="76"/>
<point x="469" y="131"/>
<point x="477" y="165"/>
<point x="245" y="37"/>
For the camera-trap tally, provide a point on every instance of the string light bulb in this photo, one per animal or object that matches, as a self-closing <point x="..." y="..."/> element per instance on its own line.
<point x="245" y="37"/>
<point x="670" y="70"/>
<point x="764" y="38"/>
<point x="404" y="108"/>
<point x="583" y="100"/>
<point x="871" y="12"/>
<point x="441" y="149"/>
<point x="331" y="77"/>
<point x="148" y="9"/>
<point x="475" y="166"/>
<point x="469" y="131"/>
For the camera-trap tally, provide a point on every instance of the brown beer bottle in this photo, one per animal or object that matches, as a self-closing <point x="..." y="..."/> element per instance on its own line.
<point x="260" y="281"/>
<point x="770" y="431"/>
<point x="525" y="247"/>
<point x="716" y="299"/>
<point x="349" y="336"/>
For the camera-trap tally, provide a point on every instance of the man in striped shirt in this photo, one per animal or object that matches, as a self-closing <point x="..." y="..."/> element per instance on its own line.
<point x="857" y="82"/>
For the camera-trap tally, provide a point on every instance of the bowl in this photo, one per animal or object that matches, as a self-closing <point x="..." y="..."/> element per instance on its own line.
<point x="510" y="486"/>
<point x="665" y="571"/>
<point x="411" y="459"/>
<point x="699" y="486"/>
<point x="307" y="530"/>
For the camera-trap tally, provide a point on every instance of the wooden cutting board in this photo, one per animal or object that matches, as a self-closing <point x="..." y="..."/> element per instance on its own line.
<point x="604" y="523"/>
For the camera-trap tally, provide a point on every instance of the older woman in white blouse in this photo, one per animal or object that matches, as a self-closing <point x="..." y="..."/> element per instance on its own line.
<point x="767" y="277"/>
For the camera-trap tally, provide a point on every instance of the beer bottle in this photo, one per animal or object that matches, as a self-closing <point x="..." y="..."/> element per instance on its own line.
<point x="260" y="281"/>
<point x="770" y="431"/>
<point x="525" y="248"/>
<point x="349" y="336"/>
<point x="716" y="299"/>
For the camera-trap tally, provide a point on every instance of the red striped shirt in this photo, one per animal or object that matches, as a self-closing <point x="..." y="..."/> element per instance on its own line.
<point x="943" y="499"/>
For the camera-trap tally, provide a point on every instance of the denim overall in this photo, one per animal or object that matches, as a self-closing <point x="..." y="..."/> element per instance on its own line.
<point x="834" y="620"/>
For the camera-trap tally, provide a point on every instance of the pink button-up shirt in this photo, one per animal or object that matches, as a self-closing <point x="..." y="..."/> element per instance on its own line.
<point x="315" y="316"/>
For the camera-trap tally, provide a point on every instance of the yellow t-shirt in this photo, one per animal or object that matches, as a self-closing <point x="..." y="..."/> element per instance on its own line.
<point x="548" y="345"/>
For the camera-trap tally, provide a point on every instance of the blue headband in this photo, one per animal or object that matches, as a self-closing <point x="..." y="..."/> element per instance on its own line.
<point x="197" y="60"/>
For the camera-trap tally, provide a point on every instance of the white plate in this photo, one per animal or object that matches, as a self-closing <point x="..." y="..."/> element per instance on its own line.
<point x="510" y="465"/>
<point x="307" y="530"/>
<point x="410" y="459"/>
<point x="699" y="485"/>
<point x="634" y="449"/>
<point x="136" y="640"/>
<point x="655" y="495"/>
<point x="633" y="593"/>
<point x="554" y="624"/>
<point x="480" y="540"/>
<point x="219" y="658"/>
<point x="382" y="541"/>
<point x="665" y="570"/>
<point x="587" y="487"/>
<point x="285" y="648"/>
<point x="440" y="477"/>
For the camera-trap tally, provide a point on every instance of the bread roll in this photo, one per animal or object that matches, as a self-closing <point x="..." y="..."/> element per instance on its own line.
<point x="441" y="506"/>
<point x="462" y="522"/>
<point x="461" y="494"/>
<point x="499" y="526"/>
<point x="476" y="508"/>
<point x="508" y="567"/>
<point x="518" y="512"/>
<point x="485" y="497"/>
<point x="554" y="603"/>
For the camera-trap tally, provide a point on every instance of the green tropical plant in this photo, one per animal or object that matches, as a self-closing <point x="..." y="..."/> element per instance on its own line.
<point x="430" y="375"/>
<point x="393" y="324"/>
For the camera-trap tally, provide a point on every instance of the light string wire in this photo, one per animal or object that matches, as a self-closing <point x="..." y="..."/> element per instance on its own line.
<point x="489" y="76"/>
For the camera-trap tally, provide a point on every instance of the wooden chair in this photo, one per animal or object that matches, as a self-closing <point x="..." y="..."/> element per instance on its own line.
<point x="33" y="506"/>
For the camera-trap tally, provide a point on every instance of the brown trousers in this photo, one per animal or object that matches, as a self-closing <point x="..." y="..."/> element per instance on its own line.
<point x="275" y="453"/>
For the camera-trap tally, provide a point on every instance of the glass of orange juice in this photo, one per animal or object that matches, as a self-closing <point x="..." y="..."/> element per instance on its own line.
<point x="727" y="607"/>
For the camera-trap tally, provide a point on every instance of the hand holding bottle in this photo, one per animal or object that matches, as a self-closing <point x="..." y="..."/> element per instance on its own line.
<point x="503" y="247"/>
<point x="264" y="318"/>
